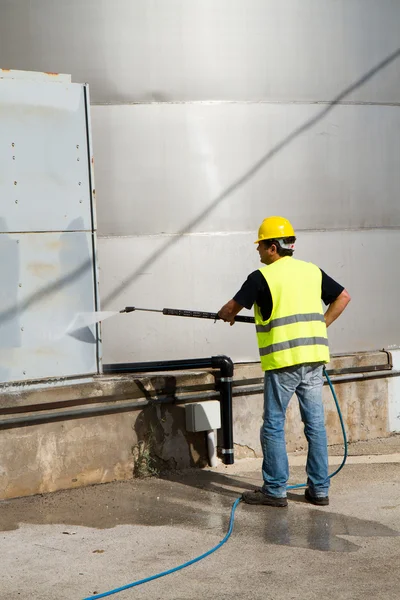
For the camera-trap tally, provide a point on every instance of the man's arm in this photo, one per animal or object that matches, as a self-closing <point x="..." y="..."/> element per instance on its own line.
<point x="229" y="311"/>
<point x="336" y="307"/>
<point x="247" y="295"/>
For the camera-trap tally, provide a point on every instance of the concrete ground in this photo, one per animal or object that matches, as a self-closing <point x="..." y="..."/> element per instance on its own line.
<point x="73" y="544"/>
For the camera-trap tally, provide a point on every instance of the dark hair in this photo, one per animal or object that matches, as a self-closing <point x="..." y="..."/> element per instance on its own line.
<point x="281" y="251"/>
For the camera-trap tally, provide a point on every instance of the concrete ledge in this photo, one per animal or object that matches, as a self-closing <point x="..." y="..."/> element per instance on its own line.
<point x="133" y="387"/>
<point x="141" y="385"/>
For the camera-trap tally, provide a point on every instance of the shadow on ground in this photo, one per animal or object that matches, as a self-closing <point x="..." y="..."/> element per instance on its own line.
<point x="194" y="500"/>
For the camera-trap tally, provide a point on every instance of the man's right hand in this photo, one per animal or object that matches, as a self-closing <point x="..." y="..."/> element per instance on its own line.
<point x="229" y="311"/>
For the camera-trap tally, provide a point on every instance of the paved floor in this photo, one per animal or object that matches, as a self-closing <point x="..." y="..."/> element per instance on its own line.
<point x="70" y="545"/>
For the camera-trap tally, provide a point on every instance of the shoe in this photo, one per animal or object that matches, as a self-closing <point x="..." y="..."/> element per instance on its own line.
<point x="317" y="500"/>
<point x="258" y="497"/>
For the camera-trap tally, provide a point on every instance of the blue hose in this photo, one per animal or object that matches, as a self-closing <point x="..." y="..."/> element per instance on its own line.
<point x="231" y="520"/>
<point x="173" y="570"/>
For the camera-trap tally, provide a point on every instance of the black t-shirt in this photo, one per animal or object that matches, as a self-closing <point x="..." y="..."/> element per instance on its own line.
<point x="256" y="290"/>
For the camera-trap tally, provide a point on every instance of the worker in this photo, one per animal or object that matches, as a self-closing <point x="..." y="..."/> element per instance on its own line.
<point x="291" y="330"/>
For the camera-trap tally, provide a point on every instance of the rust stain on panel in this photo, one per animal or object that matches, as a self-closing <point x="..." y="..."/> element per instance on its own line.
<point x="55" y="245"/>
<point x="41" y="269"/>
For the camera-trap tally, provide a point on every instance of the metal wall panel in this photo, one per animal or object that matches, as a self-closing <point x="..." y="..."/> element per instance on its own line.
<point x="174" y="168"/>
<point x="46" y="278"/>
<point x="203" y="272"/>
<point x="47" y="267"/>
<point x="224" y="167"/>
<point x="37" y="76"/>
<point x="44" y="175"/>
<point x="166" y="50"/>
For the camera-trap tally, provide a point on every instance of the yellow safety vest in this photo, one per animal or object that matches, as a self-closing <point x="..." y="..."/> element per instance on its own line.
<point x="295" y="333"/>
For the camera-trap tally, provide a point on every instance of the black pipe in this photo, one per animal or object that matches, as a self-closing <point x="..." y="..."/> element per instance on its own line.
<point x="225" y="366"/>
<point x="160" y="365"/>
<point x="93" y="411"/>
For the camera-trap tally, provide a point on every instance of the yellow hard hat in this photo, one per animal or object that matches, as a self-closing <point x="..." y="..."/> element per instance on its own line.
<point x="275" y="228"/>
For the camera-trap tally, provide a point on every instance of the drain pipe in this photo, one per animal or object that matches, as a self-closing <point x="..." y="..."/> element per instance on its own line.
<point x="212" y="449"/>
<point x="225" y="366"/>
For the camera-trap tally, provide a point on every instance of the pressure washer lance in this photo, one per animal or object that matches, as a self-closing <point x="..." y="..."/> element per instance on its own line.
<point x="176" y="312"/>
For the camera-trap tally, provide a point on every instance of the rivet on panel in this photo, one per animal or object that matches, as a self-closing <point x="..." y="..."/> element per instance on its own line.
<point x="77" y="146"/>
<point x="23" y="372"/>
<point x="20" y="284"/>
<point x="22" y="328"/>
<point x="13" y="145"/>
<point x="80" y="201"/>
<point x="78" y="159"/>
<point x="16" y="202"/>
<point x="13" y="157"/>
<point x="80" y="183"/>
<point x="15" y="183"/>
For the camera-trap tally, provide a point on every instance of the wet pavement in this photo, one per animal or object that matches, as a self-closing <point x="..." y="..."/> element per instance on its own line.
<point x="72" y="544"/>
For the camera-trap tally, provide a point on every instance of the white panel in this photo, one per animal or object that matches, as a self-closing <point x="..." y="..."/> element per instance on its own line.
<point x="224" y="167"/>
<point x="44" y="166"/>
<point x="202" y="272"/>
<point x="45" y="280"/>
<point x="137" y="50"/>
<point x="203" y="416"/>
<point x="394" y="394"/>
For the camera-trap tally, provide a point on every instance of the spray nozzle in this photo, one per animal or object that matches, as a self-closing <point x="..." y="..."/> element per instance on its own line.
<point x="127" y="309"/>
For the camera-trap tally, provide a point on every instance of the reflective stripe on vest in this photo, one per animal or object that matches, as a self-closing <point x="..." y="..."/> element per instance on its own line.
<point x="293" y="344"/>
<point x="289" y="320"/>
<point x="295" y="333"/>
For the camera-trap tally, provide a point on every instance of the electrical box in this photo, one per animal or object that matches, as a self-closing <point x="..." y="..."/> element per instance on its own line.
<point x="203" y="416"/>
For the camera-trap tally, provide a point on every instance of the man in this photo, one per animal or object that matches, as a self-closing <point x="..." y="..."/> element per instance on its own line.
<point x="293" y="344"/>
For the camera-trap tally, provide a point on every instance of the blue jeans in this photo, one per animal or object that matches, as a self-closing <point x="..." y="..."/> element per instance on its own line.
<point x="306" y="382"/>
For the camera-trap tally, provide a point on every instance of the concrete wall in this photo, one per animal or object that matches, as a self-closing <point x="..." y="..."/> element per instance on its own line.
<point x="207" y="117"/>
<point x="72" y="453"/>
